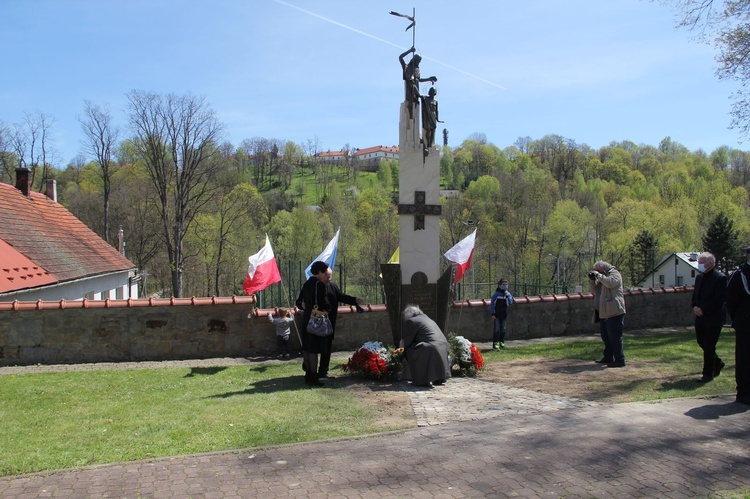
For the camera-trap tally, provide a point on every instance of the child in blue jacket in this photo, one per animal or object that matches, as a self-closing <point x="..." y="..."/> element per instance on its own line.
<point x="501" y="300"/>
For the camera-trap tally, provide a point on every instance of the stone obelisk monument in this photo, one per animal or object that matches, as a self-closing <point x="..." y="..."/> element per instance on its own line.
<point x="416" y="278"/>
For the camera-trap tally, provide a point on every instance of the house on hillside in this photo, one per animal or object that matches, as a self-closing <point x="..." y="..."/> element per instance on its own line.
<point x="676" y="269"/>
<point x="332" y="157"/>
<point x="46" y="253"/>
<point x="369" y="159"/>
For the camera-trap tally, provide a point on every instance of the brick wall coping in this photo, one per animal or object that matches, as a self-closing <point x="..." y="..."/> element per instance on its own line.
<point x="129" y="303"/>
<point x="485" y="302"/>
<point x="235" y="300"/>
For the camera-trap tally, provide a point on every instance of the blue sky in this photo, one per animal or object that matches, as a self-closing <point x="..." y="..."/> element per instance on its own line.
<point x="589" y="70"/>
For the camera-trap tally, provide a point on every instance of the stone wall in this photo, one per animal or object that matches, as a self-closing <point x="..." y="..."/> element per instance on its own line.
<point x="133" y="330"/>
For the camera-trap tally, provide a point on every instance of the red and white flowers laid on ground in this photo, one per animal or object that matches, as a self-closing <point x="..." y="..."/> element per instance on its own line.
<point x="466" y="359"/>
<point x="377" y="361"/>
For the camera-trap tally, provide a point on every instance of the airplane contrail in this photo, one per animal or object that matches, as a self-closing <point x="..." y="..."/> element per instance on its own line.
<point x="368" y="35"/>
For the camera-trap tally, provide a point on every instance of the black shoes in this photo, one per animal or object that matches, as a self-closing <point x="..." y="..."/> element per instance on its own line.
<point x="704" y="379"/>
<point x="313" y="381"/>
<point x="617" y="363"/>
<point x="717" y="369"/>
<point x="439" y="382"/>
<point x="743" y="400"/>
<point x="603" y="361"/>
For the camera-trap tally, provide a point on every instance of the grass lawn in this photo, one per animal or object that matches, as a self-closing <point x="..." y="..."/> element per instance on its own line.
<point x="61" y="420"/>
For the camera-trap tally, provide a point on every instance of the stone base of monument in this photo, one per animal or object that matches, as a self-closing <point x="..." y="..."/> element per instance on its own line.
<point x="433" y="298"/>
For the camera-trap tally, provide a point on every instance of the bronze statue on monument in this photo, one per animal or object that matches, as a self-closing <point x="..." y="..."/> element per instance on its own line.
<point x="412" y="78"/>
<point x="429" y="120"/>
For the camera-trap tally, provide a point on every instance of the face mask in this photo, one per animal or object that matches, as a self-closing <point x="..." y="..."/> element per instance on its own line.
<point x="701" y="267"/>
<point x="504" y="287"/>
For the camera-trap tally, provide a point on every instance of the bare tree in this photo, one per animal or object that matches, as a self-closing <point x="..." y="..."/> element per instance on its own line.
<point x="723" y="24"/>
<point x="177" y="137"/>
<point x="6" y="157"/>
<point x="312" y="148"/>
<point x="30" y="142"/>
<point x="101" y="141"/>
<point x="259" y="151"/>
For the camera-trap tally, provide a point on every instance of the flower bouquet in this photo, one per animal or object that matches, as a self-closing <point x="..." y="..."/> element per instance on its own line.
<point x="466" y="359"/>
<point x="377" y="361"/>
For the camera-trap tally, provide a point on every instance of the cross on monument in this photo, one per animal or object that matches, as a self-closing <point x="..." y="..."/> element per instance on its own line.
<point x="419" y="209"/>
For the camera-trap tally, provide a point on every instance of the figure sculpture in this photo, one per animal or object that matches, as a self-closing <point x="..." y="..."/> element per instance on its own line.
<point x="412" y="78"/>
<point x="429" y="118"/>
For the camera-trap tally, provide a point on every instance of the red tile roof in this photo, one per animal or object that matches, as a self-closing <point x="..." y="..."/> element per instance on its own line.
<point x="44" y="234"/>
<point x="18" y="272"/>
<point x="331" y="154"/>
<point x="369" y="150"/>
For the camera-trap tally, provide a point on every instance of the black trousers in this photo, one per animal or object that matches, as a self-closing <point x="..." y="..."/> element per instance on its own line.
<point x="707" y="336"/>
<point x="325" y="356"/>
<point x="742" y="363"/>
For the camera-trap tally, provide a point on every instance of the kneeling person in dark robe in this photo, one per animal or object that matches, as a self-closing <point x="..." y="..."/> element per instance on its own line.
<point x="426" y="348"/>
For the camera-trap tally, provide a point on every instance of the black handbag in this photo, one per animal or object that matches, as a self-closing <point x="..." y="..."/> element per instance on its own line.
<point x="319" y="323"/>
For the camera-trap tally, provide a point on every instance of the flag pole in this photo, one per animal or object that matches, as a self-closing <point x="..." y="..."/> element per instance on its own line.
<point x="414" y="30"/>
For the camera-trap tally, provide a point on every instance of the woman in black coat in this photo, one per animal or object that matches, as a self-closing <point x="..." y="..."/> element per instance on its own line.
<point x="319" y="290"/>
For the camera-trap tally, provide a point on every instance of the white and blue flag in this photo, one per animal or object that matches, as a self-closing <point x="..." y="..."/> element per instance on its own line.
<point x="328" y="255"/>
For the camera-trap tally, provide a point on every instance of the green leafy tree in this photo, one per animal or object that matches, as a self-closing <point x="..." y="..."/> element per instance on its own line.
<point x="237" y="209"/>
<point x="446" y="168"/>
<point x="288" y="164"/>
<point x="385" y="176"/>
<point x="376" y="222"/>
<point x="643" y="261"/>
<point x="569" y="235"/>
<point x="722" y="240"/>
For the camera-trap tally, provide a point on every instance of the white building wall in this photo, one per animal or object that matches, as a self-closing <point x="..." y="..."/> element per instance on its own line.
<point x="97" y="288"/>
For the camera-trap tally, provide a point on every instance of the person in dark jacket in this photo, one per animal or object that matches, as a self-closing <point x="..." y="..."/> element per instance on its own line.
<point x="707" y="301"/>
<point x="426" y="348"/>
<point x="499" y="304"/>
<point x="738" y="308"/>
<point x="319" y="291"/>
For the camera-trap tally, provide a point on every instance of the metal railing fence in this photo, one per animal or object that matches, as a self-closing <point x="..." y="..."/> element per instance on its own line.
<point x="284" y="294"/>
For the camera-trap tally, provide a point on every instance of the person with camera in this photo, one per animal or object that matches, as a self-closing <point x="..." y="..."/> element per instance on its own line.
<point x="605" y="283"/>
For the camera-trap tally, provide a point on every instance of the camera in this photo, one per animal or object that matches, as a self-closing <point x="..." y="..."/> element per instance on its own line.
<point x="592" y="275"/>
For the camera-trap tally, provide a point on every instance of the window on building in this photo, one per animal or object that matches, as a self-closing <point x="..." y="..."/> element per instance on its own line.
<point x="680" y="281"/>
<point x="661" y="279"/>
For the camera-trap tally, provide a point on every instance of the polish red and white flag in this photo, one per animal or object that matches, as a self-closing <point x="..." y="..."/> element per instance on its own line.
<point x="461" y="254"/>
<point x="262" y="271"/>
